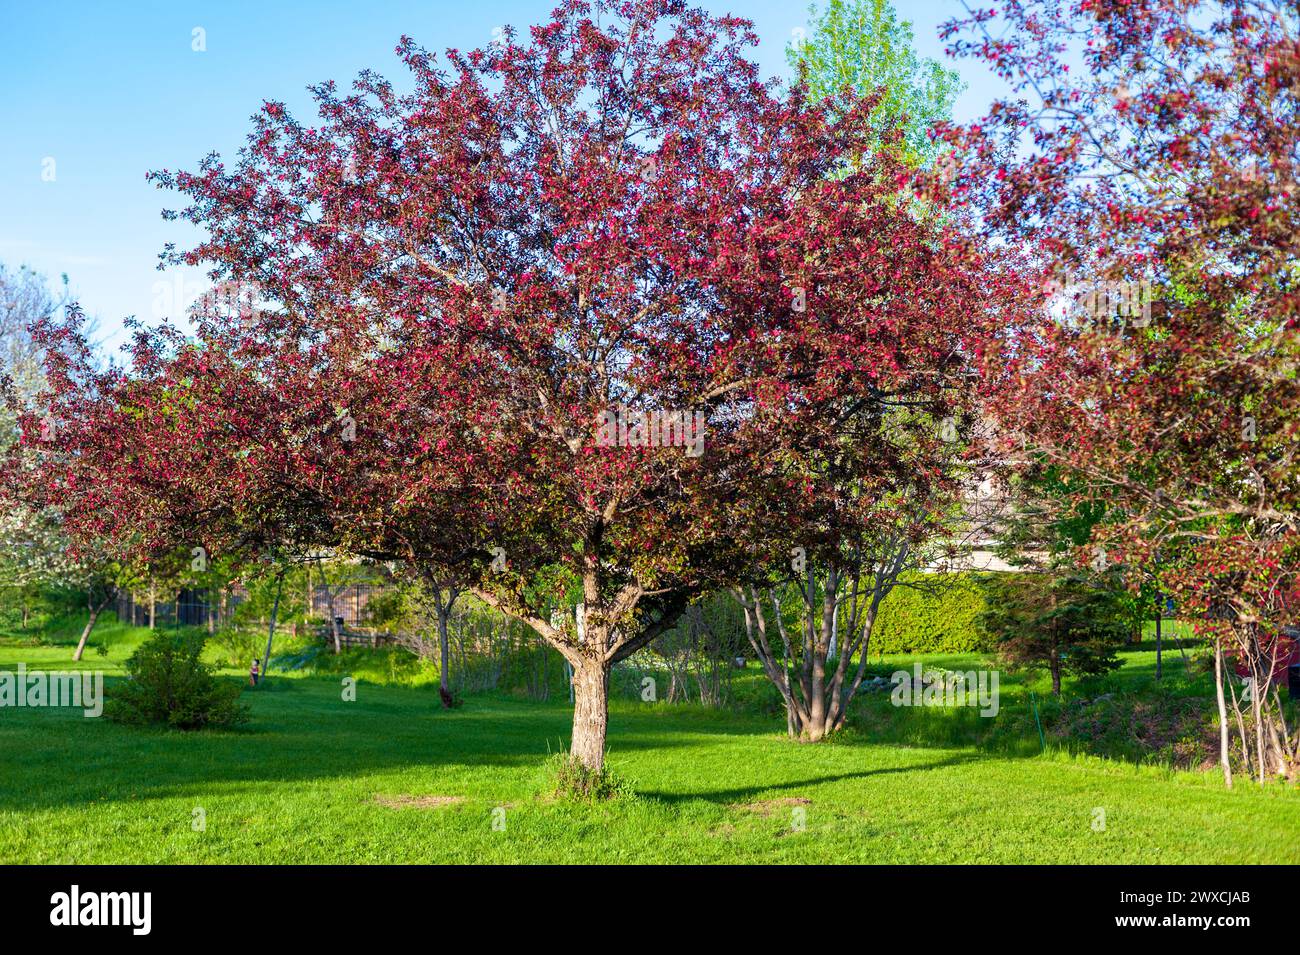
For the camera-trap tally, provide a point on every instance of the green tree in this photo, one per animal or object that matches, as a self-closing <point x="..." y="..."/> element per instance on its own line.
<point x="1063" y="623"/>
<point x="863" y="45"/>
<point x="1048" y="515"/>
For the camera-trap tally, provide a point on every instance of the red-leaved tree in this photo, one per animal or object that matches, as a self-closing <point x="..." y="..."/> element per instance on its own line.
<point x="539" y="321"/>
<point x="1149" y="159"/>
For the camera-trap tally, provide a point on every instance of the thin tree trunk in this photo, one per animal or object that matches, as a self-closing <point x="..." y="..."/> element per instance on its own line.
<point x="153" y="603"/>
<point x="782" y="677"/>
<point x="1159" y="643"/>
<point x="444" y="655"/>
<point x="270" y="630"/>
<point x="95" y="611"/>
<point x="1241" y="730"/>
<point x="334" y="619"/>
<point x="85" y="634"/>
<point x="1257" y="709"/>
<point x="815" y="729"/>
<point x="1223" y="713"/>
<point x="334" y="629"/>
<point x="1187" y="663"/>
<point x="1288" y="750"/>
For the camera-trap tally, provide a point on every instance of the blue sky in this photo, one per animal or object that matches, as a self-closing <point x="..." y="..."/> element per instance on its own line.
<point x="110" y="91"/>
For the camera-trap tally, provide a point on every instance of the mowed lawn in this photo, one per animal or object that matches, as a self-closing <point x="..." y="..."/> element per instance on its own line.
<point x="392" y="777"/>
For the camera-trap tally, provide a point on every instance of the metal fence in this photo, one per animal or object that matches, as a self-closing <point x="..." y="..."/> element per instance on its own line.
<point x="350" y="603"/>
<point x="188" y="608"/>
<point x="214" y="609"/>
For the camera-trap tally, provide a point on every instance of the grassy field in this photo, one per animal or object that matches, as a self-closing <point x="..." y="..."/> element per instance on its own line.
<point x="392" y="777"/>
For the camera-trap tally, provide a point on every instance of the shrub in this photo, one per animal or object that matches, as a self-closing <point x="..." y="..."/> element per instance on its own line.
<point x="1156" y="726"/>
<point x="169" y="684"/>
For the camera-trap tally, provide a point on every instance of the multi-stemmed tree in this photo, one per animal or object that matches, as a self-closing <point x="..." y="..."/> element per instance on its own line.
<point x="874" y="479"/>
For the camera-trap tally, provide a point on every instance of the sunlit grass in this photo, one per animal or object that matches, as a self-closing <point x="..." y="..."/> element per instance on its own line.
<point x="392" y="777"/>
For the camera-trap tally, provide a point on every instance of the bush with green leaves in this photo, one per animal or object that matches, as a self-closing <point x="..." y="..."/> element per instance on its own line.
<point x="575" y="781"/>
<point x="932" y="613"/>
<point x="169" y="684"/>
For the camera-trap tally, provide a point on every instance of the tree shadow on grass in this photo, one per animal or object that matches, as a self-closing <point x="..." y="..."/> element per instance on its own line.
<point x="749" y="793"/>
<point x="303" y="732"/>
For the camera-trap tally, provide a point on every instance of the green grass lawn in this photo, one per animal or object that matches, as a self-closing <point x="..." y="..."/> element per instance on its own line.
<point x="392" y="777"/>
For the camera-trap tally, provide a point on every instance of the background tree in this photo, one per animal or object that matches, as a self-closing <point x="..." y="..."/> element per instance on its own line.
<point x="872" y="487"/>
<point x="33" y="552"/>
<point x="36" y="552"/>
<point x="330" y="575"/>
<point x="25" y="298"/>
<point x="862" y="45"/>
<point x="443" y="590"/>
<point x="422" y="601"/>
<point x="1058" y="622"/>
<point x="701" y="651"/>
<point x="1045" y="523"/>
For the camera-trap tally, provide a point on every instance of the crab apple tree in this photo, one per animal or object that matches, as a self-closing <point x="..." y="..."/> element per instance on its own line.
<point x="534" y="325"/>
<point x="1149" y="157"/>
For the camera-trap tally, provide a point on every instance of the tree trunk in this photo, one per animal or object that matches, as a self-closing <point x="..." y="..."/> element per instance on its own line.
<point x="590" y="714"/>
<point x="1257" y="710"/>
<point x="444" y="656"/>
<point x="95" y="611"/>
<point x="1223" y="713"/>
<point x="797" y="715"/>
<point x="1056" y="675"/>
<point x="153" y="603"/>
<point x="270" y="630"/>
<point x="85" y="634"/>
<point x="815" y="728"/>
<point x="1159" y="642"/>
<point x="334" y="619"/>
<point x="334" y="629"/>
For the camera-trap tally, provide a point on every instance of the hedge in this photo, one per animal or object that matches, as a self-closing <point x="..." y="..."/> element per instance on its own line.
<point x="939" y="618"/>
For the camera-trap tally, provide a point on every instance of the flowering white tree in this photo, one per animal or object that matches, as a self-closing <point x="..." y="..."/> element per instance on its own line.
<point x="34" y="551"/>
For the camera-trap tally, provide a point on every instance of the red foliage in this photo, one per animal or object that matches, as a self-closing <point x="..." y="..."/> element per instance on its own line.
<point x="453" y="285"/>
<point x="1170" y="159"/>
